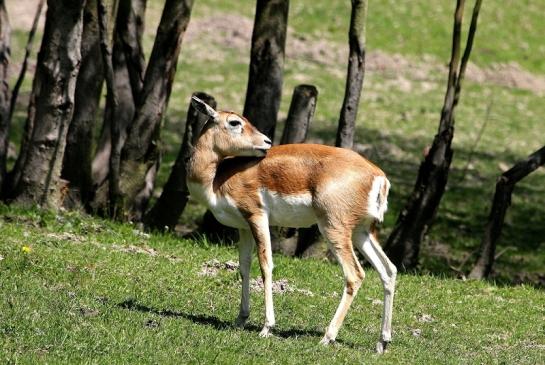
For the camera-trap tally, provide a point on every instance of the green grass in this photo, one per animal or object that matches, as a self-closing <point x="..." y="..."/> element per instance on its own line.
<point x="79" y="297"/>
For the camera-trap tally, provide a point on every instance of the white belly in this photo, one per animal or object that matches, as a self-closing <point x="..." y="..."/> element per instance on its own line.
<point x="282" y="210"/>
<point x="289" y="210"/>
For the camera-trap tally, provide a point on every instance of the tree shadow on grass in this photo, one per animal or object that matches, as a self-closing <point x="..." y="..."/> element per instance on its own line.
<point x="221" y="325"/>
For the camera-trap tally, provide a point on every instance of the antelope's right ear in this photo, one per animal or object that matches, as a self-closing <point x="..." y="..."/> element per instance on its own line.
<point x="204" y="108"/>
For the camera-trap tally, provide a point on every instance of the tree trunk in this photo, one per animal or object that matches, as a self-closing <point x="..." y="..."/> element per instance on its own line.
<point x="131" y="29"/>
<point x="171" y="204"/>
<point x="415" y="218"/>
<point x="502" y="200"/>
<point x="5" y="34"/>
<point x="266" y="64"/>
<point x="57" y="73"/>
<point x="140" y="154"/>
<point x="14" y="175"/>
<point x="303" y="104"/>
<point x="127" y="50"/>
<point x="354" y="76"/>
<point x="307" y="237"/>
<point x="77" y="156"/>
<point x="112" y="101"/>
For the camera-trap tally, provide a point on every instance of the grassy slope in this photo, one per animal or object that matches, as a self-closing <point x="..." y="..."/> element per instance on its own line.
<point x="77" y="297"/>
<point x="63" y="301"/>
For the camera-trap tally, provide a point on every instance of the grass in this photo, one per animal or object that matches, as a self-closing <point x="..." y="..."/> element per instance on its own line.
<point x="90" y="291"/>
<point x="96" y="291"/>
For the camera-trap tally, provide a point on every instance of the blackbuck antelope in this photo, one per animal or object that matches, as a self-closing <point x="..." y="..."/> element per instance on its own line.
<point x="250" y="185"/>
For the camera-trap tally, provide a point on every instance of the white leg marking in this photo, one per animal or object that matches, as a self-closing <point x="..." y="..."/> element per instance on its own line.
<point x="260" y="230"/>
<point x="372" y="251"/>
<point x="245" y="248"/>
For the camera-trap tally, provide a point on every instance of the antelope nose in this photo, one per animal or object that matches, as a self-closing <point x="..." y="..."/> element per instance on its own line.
<point x="267" y="141"/>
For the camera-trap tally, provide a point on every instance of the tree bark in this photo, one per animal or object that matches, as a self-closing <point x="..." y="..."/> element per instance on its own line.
<point x="77" y="157"/>
<point x="264" y="89"/>
<point x="127" y="50"/>
<point x="5" y="52"/>
<point x="14" y="175"/>
<point x="140" y="154"/>
<point x="169" y="207"/>
<point x="112" y="101"/>
<point x="354" y="76"/>
<point x="414" y="220"/>
<point x="57" y="71"/>
<point x="131" y="30"/>
<point x="501" y="202"/>
<point x="303" y="104"/>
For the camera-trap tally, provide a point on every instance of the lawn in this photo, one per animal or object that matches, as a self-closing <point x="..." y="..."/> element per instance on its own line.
<point x="75" y="289"/>
<point x="87" y="290"/>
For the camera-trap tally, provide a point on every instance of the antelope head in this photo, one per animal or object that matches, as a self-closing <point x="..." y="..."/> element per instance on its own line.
<point x="232" y="134"/>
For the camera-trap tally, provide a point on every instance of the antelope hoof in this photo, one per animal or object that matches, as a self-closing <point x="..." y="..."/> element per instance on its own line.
<point x="326" y="340"/>
<point x="382" y="346"/>
<point x="265" y="332"/>
<point x="240" y="321"/>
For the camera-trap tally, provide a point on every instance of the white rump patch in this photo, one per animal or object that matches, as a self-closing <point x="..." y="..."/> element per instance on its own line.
<point x="377" y="200"/>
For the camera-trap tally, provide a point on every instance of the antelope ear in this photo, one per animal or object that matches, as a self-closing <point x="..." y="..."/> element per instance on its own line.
<point x="204" y="108"/>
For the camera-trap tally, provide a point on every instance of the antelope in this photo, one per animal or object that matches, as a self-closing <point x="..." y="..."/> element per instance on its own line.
<point x="250" y="185"/>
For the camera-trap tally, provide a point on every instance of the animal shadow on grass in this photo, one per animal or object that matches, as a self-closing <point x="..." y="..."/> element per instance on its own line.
<point x="218" y="324"/>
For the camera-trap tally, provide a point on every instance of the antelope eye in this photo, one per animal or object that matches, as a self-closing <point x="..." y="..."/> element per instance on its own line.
<point x="235" y="123"/>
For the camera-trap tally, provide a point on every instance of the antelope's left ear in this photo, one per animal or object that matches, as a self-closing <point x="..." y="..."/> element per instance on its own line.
<point x="204" y="108"/>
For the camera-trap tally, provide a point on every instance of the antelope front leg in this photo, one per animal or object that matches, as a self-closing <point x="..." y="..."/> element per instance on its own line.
<point x="259" y="226"/>
<point x="245" y="248"/>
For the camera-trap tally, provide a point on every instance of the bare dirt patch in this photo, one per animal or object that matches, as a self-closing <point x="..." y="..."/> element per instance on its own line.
<point x="235" y="32"/>
<point x="213" y="267"/>
<point x="280" y="286"/>
<point x="21" y="14"/>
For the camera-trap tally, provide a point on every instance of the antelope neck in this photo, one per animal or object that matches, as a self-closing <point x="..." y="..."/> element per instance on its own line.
<point x="204" y="162"/>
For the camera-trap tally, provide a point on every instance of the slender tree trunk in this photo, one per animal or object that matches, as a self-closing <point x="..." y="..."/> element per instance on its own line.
<point x="127" y="50"/>
<point x="5" y="34"/>
<point x="131" y="30"/>
<point x="354" y="76"/>
<point x="140" y="153"/>
<point x="303" y="104"/>
<point x="414" y="220"/>
<point x="307" y="237"/>
<point x="112" y="101"/>
<point x="13" y="177"/>
<point x="77" y="157"/>
<point x="266" y="64"/>
<point x="123" y="117"/>
<point x="501" y="202"/>
<point x="57" y="72"/>
<point x="28" y="50"/>
<point x="171" y="204"/>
